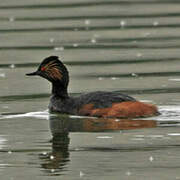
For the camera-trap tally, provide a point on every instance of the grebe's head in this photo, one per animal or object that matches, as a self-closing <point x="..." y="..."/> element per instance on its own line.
<point x="52" y="69"/>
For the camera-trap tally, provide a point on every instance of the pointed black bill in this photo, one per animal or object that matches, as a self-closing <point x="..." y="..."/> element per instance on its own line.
<point x="32" y="74"/>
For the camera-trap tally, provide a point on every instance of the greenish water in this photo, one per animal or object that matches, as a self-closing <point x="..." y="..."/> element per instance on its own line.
<point x="129" y="46"/>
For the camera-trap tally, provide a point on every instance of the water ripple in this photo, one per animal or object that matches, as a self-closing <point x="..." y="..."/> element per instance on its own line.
<point x="170" y="116"/>
<point x="88" y="4"/>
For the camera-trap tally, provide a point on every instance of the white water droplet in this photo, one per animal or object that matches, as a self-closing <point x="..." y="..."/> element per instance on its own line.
<point x="100" y="78"/>
<point x="114" y="78"/>
<point x="139" y="55"/>
<point x="11" y="19"/>
<point x="122" y="23"/>
<point x="51" y="40"/>
<point x="12" y="66"/>
<point x="51" y="157"/>
<point x="81" y="174"/>
<point x="59" y="48"/>
<point x="151" y="158"/>
<point x="93" y="40"/>
<point x="147" y="34"/>
<point x="52" y="170"/>
<point x="75" y="45"/>
<point x="2" y="75"/>
<point x="128" y="173"/>
<point x="134" y="74"/>
<point x="155" y="23"/>
<point x="44" y="153"/>
<point x="9" y="152"/>
<point x="87" y="22"/>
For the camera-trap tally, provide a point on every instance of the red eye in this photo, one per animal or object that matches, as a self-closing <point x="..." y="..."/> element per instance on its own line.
<point x="43" y="69"/>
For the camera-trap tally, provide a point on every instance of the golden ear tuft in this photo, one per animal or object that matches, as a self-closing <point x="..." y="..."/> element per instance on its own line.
<point x="55" y="73"/>
<point x="52" y="68"/>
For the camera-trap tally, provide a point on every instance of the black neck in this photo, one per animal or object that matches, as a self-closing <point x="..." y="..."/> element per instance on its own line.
<point x="59" y="91"/>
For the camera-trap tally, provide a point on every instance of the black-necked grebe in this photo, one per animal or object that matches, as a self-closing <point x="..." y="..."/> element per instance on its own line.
<point x="99" y="104"/>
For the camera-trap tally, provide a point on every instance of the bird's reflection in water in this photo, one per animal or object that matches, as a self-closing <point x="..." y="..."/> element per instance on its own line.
<point x="102" y="124"/>
<point x="60" y="126"/>
<point x="55" y="161"/>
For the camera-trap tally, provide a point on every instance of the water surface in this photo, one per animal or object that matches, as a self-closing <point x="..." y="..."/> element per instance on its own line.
<point x="129" y="46"/>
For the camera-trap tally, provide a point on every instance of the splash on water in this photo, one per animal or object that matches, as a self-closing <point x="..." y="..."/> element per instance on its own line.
<point x="174" y="79"/>
<point x="174" y="134"/>
<point x="39" y="115"/>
